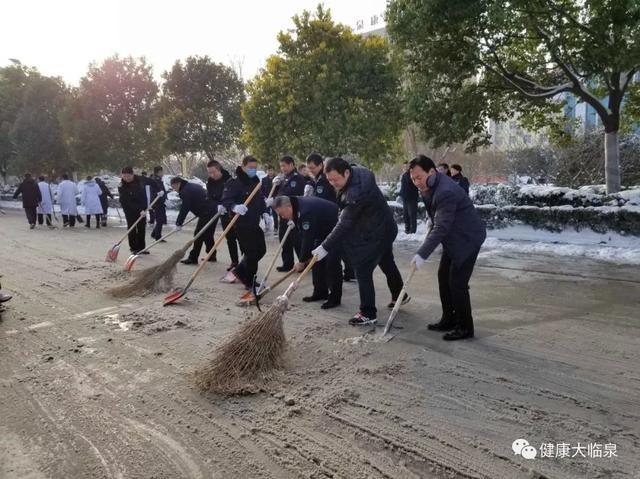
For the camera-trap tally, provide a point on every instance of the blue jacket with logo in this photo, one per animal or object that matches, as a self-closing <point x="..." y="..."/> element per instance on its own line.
<point x="315" y="218"/>
<point x="323" y="189"/>
<point x="236" y="191"/>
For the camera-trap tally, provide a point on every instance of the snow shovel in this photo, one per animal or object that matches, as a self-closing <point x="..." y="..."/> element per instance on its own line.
<point x="396" y="307"/>
<point x="178" y="293"/>
<point x="128" y="265"/>
<point x="112" y="254"/>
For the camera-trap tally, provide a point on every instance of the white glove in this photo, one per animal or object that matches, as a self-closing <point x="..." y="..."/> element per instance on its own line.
<point x="419" y="261"/>
<point x="240" y="209"/>
<point x="308" y="190"/>
<point x="320" y="252"/>
<point x="221" y="210"/>
<point x="178" y="228"/>
<point x="269" y="202"/>
<point x="290" y="223"/>
<point x="266" y="217"/>
<point x="143" y="213"/>
<point x="160" y="194"/>
<point x="277" y="180"/>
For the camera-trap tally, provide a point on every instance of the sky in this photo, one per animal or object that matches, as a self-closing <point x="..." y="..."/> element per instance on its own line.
<point x="62" y="37"/>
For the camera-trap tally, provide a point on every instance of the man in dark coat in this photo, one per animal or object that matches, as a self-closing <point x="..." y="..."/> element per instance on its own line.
<point x="323" y="189"/>
<point x="456" y="175"/>
<point x="458" y="227"/>
<point x="409" y="194"/>
<point x="159" y="209"/>
<point x="194" y="199"/>
<point x="248" y="231"/>
<point x="134" y="205"/>
<point x="149" y="189"/>
<point x="291" y="183"/>
<point x="218" y="176"/>
<point x="31" y="198"/>
<point x="366" y="229"/>
<point x="104" y="199"/>
<point x="314" y="219"/>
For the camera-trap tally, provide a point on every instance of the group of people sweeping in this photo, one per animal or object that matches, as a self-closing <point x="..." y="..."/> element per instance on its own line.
<point x="38" y="200"/>
<point x="342" y="217"/>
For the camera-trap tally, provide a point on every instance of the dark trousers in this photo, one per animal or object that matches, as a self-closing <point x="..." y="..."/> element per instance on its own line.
<point x="232" y="240"/>
<point x="251" y="239"/>
<point x="152" y="216"/>
<point x="276" y="219"/>
<point x="136" y="236"/>
<point x="31" y="215"/>
<point x="348" y="269"/>
<point x="98" y="220"/>
<point x="327" y="278"/>
<point x="161" y="219"/>
<point x="206" y="238"/>
<point x="364" y="275"/>
<point x="410" y="213"/>
<point x="41" y="219"/>
<point x="69" y="220"/>
<point x="453" y="282"/>
<point x="292" y="243"/>
<point x="105" y="208"/>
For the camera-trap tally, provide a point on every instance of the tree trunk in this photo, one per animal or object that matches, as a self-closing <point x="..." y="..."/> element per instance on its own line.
<point x="612" y="161"/>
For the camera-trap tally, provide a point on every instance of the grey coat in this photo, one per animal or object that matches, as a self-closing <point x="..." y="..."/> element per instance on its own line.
<point x="456" y="223"/>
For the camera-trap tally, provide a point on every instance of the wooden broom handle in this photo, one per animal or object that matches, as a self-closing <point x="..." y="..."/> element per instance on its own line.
<point x="275" y="256"/>
<point x="273" y="189"/>
<point x="139" y="219"/>
<point x="282" y="280"/>
<point x="224" y="233"/>
<point x="296" y="283"/>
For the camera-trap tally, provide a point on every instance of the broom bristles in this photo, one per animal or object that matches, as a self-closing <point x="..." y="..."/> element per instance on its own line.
<point x="248" y="356"/>
<point x="151" y="279"/>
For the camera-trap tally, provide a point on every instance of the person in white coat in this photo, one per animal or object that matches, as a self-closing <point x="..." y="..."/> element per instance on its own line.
<point x="67" y="192"/>
<point x="91" y="201"/>
<point x="46" y="205"/>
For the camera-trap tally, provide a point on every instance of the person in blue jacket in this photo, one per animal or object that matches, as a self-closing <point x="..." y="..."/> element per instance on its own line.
<point x="314" y="219"/>
<point x="247" y="228"/>
<point x="459" y="229"/>
<point x="193" y="199"/>
<point x="366" y="230"/>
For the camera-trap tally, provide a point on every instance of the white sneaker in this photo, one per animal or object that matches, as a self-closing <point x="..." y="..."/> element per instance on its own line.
<point x="229" y="278"/>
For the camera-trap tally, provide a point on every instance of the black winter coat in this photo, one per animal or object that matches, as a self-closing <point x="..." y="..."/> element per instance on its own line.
<point x="30" y="192"/>
<point x="456" y="223"/>
<point x="133" y="197"/>
<point x="267" y="183"/>
<point x="194" y="199"/>
<point x="293" y="185"/>
<point x="462" y="181"/>
<point x="366" y="223"/>
<point x="236" y="191"/>
<point x="408" y="191"/>
<point x="315" y="218"/>
<point x="106" y="194"/>
<point x="323" y="189"/>
<point x="158" y="186"/>
<point x="215" y="188"/>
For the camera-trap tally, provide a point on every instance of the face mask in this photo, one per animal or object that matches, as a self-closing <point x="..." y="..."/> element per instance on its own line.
<point x="252" y="172"/>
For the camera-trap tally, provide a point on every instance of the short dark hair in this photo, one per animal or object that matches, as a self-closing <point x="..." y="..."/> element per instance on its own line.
<point x="423" y="162"/>
<point x="89" y="177"/>
<point x="27" y="176"/>
<point x="248" y="159"/>
<point x="457" y="167"/>
<point x="65" y="176"/>
<point x="176" y="179"/>
<point x="214" y="163"/>
<point x="315" y="158"/>
<point x="288" y="160"/>
<point x="40" y="178"/>
<point x="338" y="165"/>
<point x="444" y="164"/>
<point x="144" y="173"/>
<point x="270" y="167"/>
<point x="127" y="170"/>
<point x="156" y="169"/>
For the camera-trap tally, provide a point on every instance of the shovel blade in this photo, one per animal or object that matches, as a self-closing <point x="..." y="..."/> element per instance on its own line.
<point x="128" y="265"/>
<point x="112" y="254"/>
<point x="174" y="296"/>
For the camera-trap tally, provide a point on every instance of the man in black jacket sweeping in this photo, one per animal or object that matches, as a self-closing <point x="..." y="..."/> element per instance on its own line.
<point x="366" y="229"/>
<point x="159" y="209"/>
<point x="458" y="227"/>
<point x="218" y="176"/>
<point x="194" y="199"/>
<point x="315" y="218"/>
<point x="248" y="231"/>
<point x="134" y="204"/>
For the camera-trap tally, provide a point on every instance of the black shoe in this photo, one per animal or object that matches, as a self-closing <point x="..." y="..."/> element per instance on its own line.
<point x="32" y="227"/>
<point x="347" y="277"/>
<point x="162" y="240"/>
<point x="442" y="325"/>
<point x="284" y="269"/>
<point x="144" y="252"/>
<point x="87" y="226"/>
<point x="458" y="333"/>
<point x="189" y="261"/>
<point x="405" y="300"/>
<point x="313" y="297"/>
<point x="330" y="304"/>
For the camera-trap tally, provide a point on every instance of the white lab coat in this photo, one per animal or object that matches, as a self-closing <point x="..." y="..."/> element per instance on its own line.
<point x="91" y="198"/>
<point x="67" y="191"/>
<point x="46" y="205"/>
